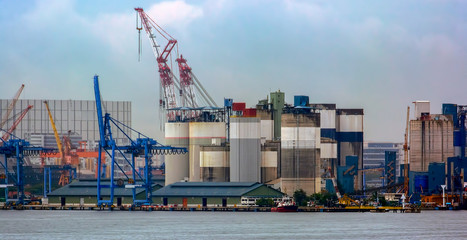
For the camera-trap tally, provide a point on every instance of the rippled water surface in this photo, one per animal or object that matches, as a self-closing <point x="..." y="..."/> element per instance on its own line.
<point x="49" y="224"/>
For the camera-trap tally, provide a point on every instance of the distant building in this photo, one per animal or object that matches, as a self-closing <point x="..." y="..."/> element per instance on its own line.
<point x="78" y="117"/>
<point x="373" y="157"/>
<point x="431" y="138"/>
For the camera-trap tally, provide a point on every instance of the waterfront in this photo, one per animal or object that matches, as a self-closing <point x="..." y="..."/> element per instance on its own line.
<point x="51" y="224"/>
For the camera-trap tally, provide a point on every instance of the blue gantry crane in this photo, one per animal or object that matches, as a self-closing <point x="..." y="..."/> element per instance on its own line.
<point x="142" y="146"/>
<point x="17" y="148"/>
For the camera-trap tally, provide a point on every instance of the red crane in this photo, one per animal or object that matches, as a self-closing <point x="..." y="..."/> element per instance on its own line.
<point x="168" y="98"/>
<point x="12" y="104"/>
<point x="15" y="124"/>
<point x="189" y="86"/>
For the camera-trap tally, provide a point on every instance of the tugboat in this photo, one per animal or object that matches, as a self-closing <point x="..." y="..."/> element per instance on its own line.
<point x="286" y="205"/>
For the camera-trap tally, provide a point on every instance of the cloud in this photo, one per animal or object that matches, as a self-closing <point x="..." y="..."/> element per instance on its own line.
<point x="314" y="12"/>
<point x="174" y="13"/>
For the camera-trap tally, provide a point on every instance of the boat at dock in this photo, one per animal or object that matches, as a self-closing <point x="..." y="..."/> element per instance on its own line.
<point x="286" y="205"/>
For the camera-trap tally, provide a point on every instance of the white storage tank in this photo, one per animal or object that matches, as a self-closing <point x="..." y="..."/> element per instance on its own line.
<point x="176" y="166"/>
<point x="214" y="164"/>
<point x="203" y="134"/>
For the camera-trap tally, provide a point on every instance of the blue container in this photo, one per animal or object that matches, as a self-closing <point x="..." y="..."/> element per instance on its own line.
<point x="420" y="183"/>
<point x="301" y="101"/>
<point x="228" y="102"/>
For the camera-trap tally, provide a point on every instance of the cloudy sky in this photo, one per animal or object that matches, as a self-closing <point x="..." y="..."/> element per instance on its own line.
<point x="376" y="55"/>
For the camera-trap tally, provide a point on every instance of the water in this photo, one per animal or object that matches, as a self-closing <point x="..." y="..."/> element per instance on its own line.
<point x="49" y="224"/>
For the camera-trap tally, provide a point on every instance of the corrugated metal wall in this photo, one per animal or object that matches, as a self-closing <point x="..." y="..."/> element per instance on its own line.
<point x="245" y="149"/>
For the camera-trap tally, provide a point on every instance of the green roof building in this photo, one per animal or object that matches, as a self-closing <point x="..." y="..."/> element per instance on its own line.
<point x="85" y="191"/>
<point x="214" y="194"/>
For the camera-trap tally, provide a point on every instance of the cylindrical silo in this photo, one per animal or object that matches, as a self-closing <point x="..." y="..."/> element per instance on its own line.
<point x="350" y="138"/>
<point x="214" y="163"/>
<point x="328" y="138"/>
<point x="300" y="153"/>
<point x="176" y="166"/>
<point x="245" y="149"/>
<point x="270" y="153"/>
<point x="203" y="134"/>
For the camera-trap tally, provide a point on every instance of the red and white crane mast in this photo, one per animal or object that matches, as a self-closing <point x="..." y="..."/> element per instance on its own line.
<point x="168" y="100"/>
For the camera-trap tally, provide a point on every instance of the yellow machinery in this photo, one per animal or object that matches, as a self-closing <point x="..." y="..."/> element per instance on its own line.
<point x="63" y="178"/>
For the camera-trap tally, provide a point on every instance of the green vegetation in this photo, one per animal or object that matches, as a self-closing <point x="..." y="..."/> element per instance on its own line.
<point x="300" y="197"/>
<point x="323" y="198"/>
<point x="265" y="202"/>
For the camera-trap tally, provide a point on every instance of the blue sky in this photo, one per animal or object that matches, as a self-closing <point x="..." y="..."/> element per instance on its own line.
<point x="376" y="55"/>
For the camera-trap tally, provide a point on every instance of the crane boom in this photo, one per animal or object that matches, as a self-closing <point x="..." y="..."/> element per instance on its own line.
<point x="406" y="154"/>
<point x="16" y="123"/>
<point x="57" y="138"/>
<point x="10" y="107"/>
<point x="168" y="100"/>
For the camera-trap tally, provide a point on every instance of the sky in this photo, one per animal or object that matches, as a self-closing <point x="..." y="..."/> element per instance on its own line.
<point x="376" y="55"/>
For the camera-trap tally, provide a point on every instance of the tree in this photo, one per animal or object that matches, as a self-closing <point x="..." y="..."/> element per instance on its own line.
<point x="300" y="197"/>
<point x="265" y="202"/>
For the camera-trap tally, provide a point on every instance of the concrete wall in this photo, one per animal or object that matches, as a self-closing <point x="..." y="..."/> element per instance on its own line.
<point x="430" y="141"/>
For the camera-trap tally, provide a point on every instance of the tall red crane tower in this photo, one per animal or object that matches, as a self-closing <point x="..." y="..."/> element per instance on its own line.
<point x="168" y="98"/>
<point x="188" y="85"/>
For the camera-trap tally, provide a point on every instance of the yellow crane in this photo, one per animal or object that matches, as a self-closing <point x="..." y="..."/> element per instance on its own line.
<point x="63" y="178"/>
<point x="57" y="138"/>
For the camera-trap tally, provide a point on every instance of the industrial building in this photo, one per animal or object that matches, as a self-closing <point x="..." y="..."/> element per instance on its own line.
<point x="77" y="116"/>
<point x="84" y="191"/>
<point x="374" y="157"/>
<point x="431" y="137"/>
<point x="288" y="146"/>
<point x="193" y="194"/>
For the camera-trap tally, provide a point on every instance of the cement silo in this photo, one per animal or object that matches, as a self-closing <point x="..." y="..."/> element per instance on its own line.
<point x="214" y="163"/>
<point x="245" y="149"/>
<point x="350" y="138"/>
<point x="176" y="166"/>
<point x="270" y="154"/>
<point x="328" y="138"/>
<point x="300" y="153"/>
<point x="203" y="134"/>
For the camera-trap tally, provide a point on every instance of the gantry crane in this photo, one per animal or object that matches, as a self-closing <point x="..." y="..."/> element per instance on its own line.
<point x="11" y="106"/>
<point x="142" y="146"/>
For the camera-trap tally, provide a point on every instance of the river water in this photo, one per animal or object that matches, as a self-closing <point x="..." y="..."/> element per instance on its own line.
<point x="53" y="224"/>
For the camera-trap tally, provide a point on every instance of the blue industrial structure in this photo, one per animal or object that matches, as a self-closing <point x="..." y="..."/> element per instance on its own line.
<point x="142" y="146"/>
<point x="48" y="176"/>
<point x="18" y="149"/>
<point x="390" y="169"/>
